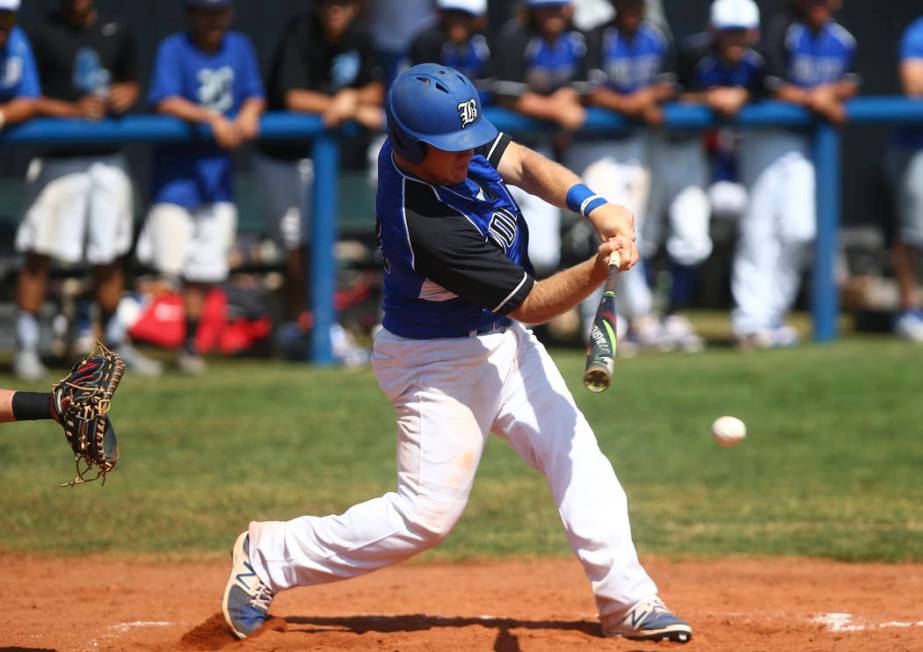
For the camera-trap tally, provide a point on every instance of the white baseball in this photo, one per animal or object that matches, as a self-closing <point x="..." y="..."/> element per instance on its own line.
<point x="728" y="431"/>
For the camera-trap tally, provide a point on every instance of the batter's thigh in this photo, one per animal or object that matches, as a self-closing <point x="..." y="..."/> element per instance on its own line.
<point x="55" y="220"/>
<point x="109" y="229"/>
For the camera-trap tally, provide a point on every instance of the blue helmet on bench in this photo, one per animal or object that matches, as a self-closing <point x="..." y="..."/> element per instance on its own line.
<point x="430" y="104"/>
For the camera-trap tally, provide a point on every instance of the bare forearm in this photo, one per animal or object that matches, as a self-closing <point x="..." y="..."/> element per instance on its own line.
<point x="56" y="108"/>
<point x="185" y="110"/>
<point x="793" y="94"/>
<point x="542" y="177"/>
<point x="307" y="101"/>
<point x="558" y="294"/>
<point x="373" y="93"/>
<point x="6" y="405"/>
<point x="536" y="106"/>
<point x="252" y="109"/>
<point x="607" y="99"/>
<point x="17" y="111"/>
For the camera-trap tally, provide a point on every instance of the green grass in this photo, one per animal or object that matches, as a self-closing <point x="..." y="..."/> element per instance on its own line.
<point x="832" y="466"/>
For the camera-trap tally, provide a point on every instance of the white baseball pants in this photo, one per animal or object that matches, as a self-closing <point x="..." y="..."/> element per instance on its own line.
<point x="449" y="394"/>
<point x="80" y="208"/>
<point x="680" y="177"/>
<point x="190" y="244"/>
<point x="776" y="230"/>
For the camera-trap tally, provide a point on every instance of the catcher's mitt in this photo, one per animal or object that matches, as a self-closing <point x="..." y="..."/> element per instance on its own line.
<point x="80" y="403"/>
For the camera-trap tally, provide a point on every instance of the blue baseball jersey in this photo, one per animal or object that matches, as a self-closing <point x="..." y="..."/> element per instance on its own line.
<point x="18" y="72"/>
<point x="527" y="62"/>
<point x="700" y="67"/>
<point x="200" y="174"/>
<point x="911" y="48"/>
<point x="455" y="256"/>
<point x="626" y="64"/>
<point x="799" y="56"/>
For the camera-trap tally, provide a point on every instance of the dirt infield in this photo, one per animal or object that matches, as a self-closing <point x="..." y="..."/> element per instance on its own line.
<point x="543" y="605"/>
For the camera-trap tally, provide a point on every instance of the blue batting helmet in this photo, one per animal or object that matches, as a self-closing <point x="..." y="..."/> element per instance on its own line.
<point x="430" y="104"/>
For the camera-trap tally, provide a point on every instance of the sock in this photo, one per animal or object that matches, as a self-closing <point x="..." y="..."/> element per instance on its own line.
<point x="192" y="330"/>
<point x="27" y="331"/>
<point x="31" y="406"/>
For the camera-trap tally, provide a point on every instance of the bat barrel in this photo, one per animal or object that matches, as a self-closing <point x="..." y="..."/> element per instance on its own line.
<point x="597" y="380"/>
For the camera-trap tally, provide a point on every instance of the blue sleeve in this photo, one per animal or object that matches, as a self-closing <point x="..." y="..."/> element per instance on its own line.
<point x="252" y="84"/>
<point x="912" y="43"/>
<point x="166" y="80"/>
<point x="29" y="85"/>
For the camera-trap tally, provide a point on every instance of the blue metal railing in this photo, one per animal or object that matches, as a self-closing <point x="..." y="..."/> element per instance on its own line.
<point x="324" y="150"/>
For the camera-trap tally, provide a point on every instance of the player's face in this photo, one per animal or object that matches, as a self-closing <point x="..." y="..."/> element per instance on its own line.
<point x="337" y="15"/>
<point x="628" y="15"/>
<point x="552" y="21"/>
<point x="445" y="167"/>
<point x="459" y="25"/>
<point x="816" y="13"/>
<point x="7" y="20"/>
<point x="733" y="43"/>
<point x="209" y="26"/>
<point x="77" y="7"/>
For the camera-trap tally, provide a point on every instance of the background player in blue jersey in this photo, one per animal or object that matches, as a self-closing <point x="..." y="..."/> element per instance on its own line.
<point x="458" y="41"/>
<point x="80" y="197"/>
<point x="908" y="181"/>
<point x="629" y="65"/>
<point x="540" y="72"/>
<point x="721" y="70"/>
<point x="19" y="83"/>
<point x="809" y="62"/>
<point x="456" y="367"/>
<point x="207" y="75"/>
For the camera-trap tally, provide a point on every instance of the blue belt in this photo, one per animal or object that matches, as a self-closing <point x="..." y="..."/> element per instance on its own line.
<point x="494" y="327"/>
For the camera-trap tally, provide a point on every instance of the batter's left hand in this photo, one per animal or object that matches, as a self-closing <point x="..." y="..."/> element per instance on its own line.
<point x="613" y="220"/>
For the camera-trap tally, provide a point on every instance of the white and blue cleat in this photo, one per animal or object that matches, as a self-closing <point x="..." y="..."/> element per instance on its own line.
<point x="650" y="620"/>
<point x="246" y="599"/>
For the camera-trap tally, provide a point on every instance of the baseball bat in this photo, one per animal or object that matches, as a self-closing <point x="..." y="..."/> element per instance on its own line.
<point x="600" y="354"/>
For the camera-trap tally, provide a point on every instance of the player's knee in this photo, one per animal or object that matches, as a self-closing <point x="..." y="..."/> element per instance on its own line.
<point x="433" y="521"/>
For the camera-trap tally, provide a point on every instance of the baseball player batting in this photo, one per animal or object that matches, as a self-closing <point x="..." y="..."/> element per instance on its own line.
<point x="457" y="363"/>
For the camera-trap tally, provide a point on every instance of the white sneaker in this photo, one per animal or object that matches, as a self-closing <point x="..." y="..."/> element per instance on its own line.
<point x="190" y="363"/>
<point x="649" y="620"/>
<point x="909" y="325"/>
<point x="27" y="365"/>
<point x="138" y="362"/>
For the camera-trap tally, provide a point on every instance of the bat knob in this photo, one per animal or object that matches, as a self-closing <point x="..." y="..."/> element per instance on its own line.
<point x="596" y="380"/>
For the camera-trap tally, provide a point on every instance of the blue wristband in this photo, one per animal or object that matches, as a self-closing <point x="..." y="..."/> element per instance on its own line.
<point x="581" y="199"/>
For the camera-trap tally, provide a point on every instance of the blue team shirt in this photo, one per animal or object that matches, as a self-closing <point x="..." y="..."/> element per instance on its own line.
<point x="549" y="66"/>
<point x="456" y="256"/>
<point x="18" y="72"/>
<point x="201" y="174"/>
<point x="627" y="64"/>
<point x="817" y="59"/>
<point x="911" y="47"/>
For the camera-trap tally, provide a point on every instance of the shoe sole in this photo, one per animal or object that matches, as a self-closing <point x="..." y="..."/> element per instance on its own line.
<point x="673" y="634"/>
<point x="235" y="556"/>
